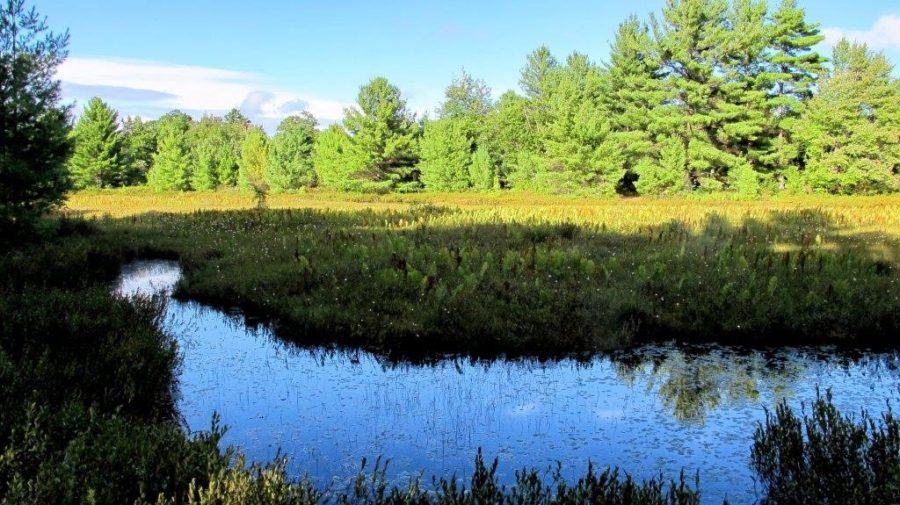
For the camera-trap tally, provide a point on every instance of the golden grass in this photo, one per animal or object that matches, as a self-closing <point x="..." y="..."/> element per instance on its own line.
<point x="874" y="220"/>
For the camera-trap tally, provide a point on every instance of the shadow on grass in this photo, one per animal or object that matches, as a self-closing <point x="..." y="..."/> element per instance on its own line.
<point x="432" y="280"/>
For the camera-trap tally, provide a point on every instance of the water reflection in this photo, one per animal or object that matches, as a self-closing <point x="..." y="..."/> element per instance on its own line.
<point x="650" y="410"/>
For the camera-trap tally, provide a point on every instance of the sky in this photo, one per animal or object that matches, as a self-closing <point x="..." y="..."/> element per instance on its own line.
<point x="279" y="57"/>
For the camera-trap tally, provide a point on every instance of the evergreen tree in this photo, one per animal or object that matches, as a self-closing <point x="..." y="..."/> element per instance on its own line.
<point x="237" y="126"/>
<point x="708" y="87"/>
<point x="506" y="136"/>
<point x="291" y="153"/>
<point x="99" y="159"/>
<point x="448" y="144"/>
<point x="140" y="146"/>
<point x="34" y="143"/>
<point x="210" y="152"/>
<point x="851" y="129"/>
<point x="333" y="157"/>
<point x="171" y="170"/>
<point x="254" y="155"/>
<point x="482" y="171"/>
<point x="575" y="151"/>
<point x="466" y="97"/>
<point x="666" y="174"/>
<point x="630" y="96"/>
<point x="536" y="72"/>
<point x="446" y="151"/>
<point x="795" y="68"/>
<point x="383" y="139"/>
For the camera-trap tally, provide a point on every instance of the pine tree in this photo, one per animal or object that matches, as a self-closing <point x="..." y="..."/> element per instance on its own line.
<point x="446" y="151"/>
<point x="708" y="78"/>
<point x="254" y="155"/>
<point x="666" y="174"/>
<point x="506" y="136"/>
<point x="172" y="161"/>
<point x="34" y="143"/>
<point x="482" y="171"/>
<point x="333" y="158"/>
<point x="574" y="139"/>
<point x="448" y="145"/>
<point x="237" y="126"/>
<point x="466" y="97"/>
<point x="383" y="138"/>
<point x="290" y="164"/>
<point x="210" y="151"/>
<point x="140" y="146"/>
<point x="851" y="129"/>
<point x="541" y="63"/>
<point x="630" y="96"/>
<point x="795" y="67"/>
<point x="99" y="159"/>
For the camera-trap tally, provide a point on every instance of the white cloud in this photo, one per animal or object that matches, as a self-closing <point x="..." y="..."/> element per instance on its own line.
<point x="193" y="88"/>
<point x="884" y="34"/>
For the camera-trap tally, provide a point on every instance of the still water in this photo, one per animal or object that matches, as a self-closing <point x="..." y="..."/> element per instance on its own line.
<point x="659" y="408"/>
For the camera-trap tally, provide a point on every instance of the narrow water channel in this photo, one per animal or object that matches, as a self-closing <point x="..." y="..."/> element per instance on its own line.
<point x="660" y="408"/>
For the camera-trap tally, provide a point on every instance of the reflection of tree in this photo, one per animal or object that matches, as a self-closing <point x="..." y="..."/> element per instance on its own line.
<point x="692" y="383"/>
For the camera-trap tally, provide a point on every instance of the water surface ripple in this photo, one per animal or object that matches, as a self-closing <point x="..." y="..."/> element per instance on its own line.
<point x="659" y="408"/>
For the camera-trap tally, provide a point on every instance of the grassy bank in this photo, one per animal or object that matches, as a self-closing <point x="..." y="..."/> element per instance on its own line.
<point x="86" y="411"/>
<point x="519" y="273"/>
<point x="87" y="407"/>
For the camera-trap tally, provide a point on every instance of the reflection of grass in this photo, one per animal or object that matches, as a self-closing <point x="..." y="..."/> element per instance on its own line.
<point x="530" y="274"/>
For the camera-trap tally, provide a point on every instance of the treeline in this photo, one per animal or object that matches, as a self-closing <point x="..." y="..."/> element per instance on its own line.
<point x="709" y="95"/>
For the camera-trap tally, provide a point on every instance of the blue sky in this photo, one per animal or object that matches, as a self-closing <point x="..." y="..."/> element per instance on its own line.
<point x="277" y="57"/>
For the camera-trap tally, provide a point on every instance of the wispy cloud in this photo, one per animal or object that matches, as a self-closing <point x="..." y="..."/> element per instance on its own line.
<point x="115" y="92"/>
<point x="884" y="34"/>
<point x="142" y="87"/>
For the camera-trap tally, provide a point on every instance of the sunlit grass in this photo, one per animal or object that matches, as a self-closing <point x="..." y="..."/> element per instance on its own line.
<point x="526" y="273"/>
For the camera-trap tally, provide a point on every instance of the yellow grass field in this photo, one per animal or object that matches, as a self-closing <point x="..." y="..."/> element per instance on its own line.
<point x="872" y="222"/>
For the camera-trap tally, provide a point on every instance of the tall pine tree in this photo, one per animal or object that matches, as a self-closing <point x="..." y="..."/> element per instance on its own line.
<point x="446" y="151"/>
<point x="99" y="159"/>
<point x="34" y="127"/>
<point x="851" y="129"/>
<point x="631" y="93"/>
<point x="290" y="164"/>
<point x="140" y="146"/>
<point x="171" y="170"/>
<point x="795" y="67"/>
<point x="254" y="156"/>
<point x="383" y="137"/>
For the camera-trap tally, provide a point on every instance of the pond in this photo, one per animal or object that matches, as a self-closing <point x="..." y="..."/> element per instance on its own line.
<point x="659" y="408"/>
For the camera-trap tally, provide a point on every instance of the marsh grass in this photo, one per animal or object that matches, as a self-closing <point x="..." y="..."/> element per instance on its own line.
<point x="522" y="274"/>
<point x="86" y="405"/>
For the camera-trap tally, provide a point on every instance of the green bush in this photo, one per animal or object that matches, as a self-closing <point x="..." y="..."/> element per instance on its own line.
<point x="827" y="457"/>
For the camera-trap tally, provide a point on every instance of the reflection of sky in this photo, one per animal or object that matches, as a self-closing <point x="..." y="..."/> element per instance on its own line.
<point x="326" y="411"/>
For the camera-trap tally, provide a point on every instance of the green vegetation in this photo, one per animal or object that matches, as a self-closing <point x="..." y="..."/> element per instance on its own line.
<point x="99" y="158"/>
<point x="290" y="154"/>
<point x="827" y="457"/>
<point x="717" y="96"/>
<point x="34" y="144"/>
<point x="88" y="417"/>
<point x="88" y="408"/>
<point x="525" y="274"/>
<point x="707" y="96"/>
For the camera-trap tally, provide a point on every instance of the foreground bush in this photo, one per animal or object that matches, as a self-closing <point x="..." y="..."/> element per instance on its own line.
<point x="257" y="485"/>
<point x="828" y="457"/>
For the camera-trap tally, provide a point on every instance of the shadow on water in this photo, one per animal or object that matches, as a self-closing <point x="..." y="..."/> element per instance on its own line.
<point x="650" y="409"/>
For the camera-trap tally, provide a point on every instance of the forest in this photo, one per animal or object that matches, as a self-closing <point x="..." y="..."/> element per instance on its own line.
<point x="719" y="96"/>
